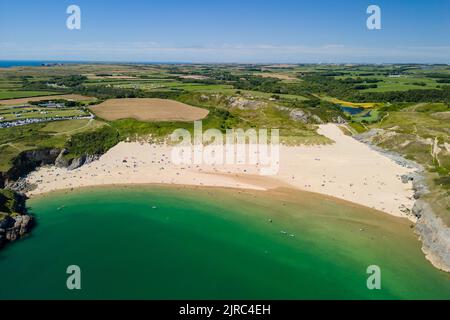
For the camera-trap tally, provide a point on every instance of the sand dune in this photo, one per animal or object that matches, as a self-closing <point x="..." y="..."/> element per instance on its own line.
<point x="347" y="170"/>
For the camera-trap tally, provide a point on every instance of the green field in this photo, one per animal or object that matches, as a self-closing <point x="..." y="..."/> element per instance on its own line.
<point x="403" y="84"/>
<point x="68" y="127"/>
<point x="4" y="94"/>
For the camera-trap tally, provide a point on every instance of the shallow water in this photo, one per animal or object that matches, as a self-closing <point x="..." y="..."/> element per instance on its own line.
<point x="352" y="110"/>
<point x="191" y="243"/>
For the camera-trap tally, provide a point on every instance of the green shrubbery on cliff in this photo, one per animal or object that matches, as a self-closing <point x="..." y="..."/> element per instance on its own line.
<point x="93" y="142"/>
<point x="10" y="202"/>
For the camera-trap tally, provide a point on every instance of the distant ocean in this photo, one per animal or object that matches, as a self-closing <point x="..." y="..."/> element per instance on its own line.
<point x="19" y="63"/>
<point x="34" y="63"/>
<point x="30" y="63"/>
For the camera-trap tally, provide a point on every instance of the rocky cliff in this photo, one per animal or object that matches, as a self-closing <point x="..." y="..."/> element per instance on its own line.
<point x="28" y="161"/>
<point x="72" y="164"/>
<point x="14" y="227"/>
<point x="433" y="232"/>
<point x="15" y="222"/>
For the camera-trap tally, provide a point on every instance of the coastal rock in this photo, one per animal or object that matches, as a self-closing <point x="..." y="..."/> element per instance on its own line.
<point x="406" y="178"/>
<point x="75" y="163"/>
<point x="434" y="234"/>
<point x="15" y="228"/>
<point x="28" y="161"/>
<point x="14" y="222"/>
<point x="339" y="120"/>
<point x="317" y="119"/>
<point x="21" y="185"/>
<point x="367" y="137"/>
<point x="432" y="231"/>
<point x="299" y="115"/>
<point x="420" y="186"/>
<point x="60" y="161"/>
<point x="83" y="160"/>
<point x="245" y="104"/>
<point x="25" y="224"/>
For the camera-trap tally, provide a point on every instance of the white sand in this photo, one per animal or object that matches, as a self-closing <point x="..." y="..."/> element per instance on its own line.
<point x="347" y="169"/>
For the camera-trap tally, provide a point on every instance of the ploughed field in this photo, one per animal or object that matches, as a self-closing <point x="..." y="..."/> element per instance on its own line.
<point x="148" y="110"/>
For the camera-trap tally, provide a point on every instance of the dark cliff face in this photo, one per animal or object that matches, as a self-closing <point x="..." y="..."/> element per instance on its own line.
<point x="2" y="180"/>
<point x="28" y="161"/>
<point x="15" y="222"/>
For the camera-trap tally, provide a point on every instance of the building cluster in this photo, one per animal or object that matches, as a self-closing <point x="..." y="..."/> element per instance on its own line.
<point x="17" y="123"/>
<point x="52" y="105"/>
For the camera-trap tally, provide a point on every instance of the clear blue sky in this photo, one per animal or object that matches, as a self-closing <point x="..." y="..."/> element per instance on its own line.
<point x="227" y="31"/>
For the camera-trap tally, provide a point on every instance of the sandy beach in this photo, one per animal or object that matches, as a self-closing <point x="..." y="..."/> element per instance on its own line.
<point x="347" y="169"/>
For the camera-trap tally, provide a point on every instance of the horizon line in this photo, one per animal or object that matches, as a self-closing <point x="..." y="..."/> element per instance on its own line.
<point x="222" y="62"/>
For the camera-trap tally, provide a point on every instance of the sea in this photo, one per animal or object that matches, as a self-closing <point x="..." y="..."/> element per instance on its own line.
<point x="155" y="242"/>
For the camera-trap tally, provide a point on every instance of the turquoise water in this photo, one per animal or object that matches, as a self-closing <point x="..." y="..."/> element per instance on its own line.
<point x="181" y="243"/>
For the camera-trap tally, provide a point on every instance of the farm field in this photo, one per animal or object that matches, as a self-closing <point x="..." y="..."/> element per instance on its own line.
<point x="173" y="85"/>
<point x="396" y="83"/>
<point x="403" y="84"/>
<point x="148" y="110"/>
<point x="74" y="97"/>
<point x="9" y="94"/>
